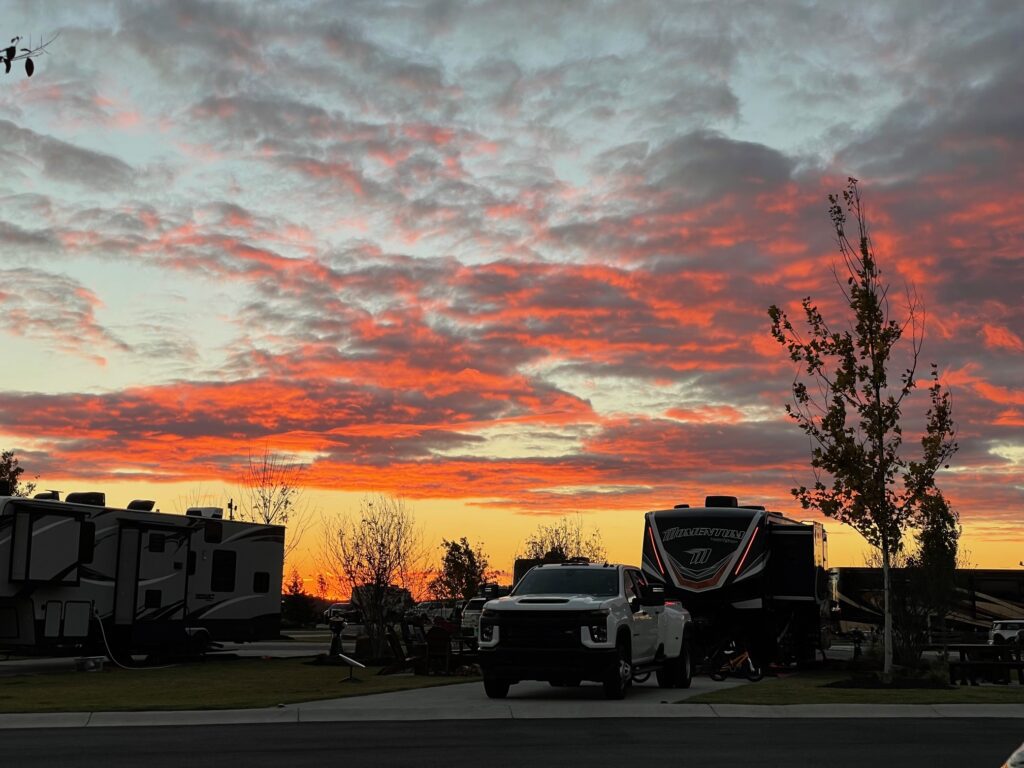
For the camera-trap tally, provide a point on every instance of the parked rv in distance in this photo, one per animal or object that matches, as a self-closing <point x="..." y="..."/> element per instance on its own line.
<point x="77" y="574"/>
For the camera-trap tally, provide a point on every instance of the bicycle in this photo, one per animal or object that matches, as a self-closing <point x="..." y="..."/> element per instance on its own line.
<point x="731" y="660"/>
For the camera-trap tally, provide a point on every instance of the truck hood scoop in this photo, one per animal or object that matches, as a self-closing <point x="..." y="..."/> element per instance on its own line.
<point x="544" y="601"/>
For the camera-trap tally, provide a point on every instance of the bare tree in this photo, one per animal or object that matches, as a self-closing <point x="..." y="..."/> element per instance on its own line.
<point x="193" y="497"/>
<point x="562" y="540"/>
<point x="377" y="554"/>
<point x="272" y="493"/>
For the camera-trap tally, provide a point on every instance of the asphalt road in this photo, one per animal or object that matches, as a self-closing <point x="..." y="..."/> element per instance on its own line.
<point x="730" y="743"/>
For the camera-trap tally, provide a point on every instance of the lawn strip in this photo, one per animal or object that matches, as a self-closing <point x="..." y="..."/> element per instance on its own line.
<point x="810" y="688"/>
<point x="213" y="684"/>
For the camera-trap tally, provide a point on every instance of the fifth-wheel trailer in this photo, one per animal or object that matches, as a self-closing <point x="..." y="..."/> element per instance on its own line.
<point x="77" y="574"/>
<point x="745" y="574"/>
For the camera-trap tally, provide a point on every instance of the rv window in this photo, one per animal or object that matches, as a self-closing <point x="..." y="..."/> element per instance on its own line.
<point x="212" y="532"/>
<point x="191" y="571"/>
<point x="261" y="582"/>
<point x="156" y="542"/>
<point x="87" y="543"/>
<point x="222" y="575"/>
<point x="152" y="598"/>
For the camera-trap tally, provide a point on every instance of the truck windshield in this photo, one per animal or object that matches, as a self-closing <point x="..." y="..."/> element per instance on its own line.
<point x="599" y="582"/>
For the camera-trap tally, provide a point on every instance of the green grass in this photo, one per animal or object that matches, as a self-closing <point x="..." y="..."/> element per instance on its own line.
<point x="212" y="684"/>
<point x="809" y="688"/>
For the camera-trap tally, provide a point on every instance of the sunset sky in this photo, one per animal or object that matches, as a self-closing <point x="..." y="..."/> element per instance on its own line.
<point x="507" y="260"/>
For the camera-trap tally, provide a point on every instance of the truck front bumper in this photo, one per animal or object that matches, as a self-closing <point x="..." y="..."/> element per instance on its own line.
<point x="547" y="663"/>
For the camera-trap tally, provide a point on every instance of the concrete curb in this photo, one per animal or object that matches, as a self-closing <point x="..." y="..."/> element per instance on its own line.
<point x="509" y="711"/>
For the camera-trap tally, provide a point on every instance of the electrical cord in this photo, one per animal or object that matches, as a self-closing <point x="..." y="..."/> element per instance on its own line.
<point x="110" y="653"/>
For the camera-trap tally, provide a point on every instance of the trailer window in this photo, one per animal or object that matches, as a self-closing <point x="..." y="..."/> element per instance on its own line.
<point x="45" y="546"/>
<point x="222" y="574"/>
<point x="261" y="582"/>
<point x="156" y="542"/>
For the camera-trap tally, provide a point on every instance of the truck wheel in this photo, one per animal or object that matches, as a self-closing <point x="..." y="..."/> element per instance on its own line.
<point x="496" y="687"/>
<point x="617" y="678"/>
<point x="684" y="673"/>
<point x="677" y="672"/>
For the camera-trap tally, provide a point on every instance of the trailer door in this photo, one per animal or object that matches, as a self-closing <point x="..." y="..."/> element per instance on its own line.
<point x="160" y="597"/>
<point x="151" y="581"/>
<point x="127" y="575"/>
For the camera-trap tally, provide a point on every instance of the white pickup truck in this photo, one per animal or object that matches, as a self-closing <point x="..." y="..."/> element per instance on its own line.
<point x="569" y="622"/>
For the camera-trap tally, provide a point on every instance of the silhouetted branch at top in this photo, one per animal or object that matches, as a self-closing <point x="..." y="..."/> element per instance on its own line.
<point x="12" y="53"/>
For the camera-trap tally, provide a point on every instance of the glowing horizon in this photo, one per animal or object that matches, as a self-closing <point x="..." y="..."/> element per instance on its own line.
<point x="504" y="263"/>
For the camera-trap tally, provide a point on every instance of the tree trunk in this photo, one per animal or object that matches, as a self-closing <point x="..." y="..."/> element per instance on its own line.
<point x="887" y="625"/>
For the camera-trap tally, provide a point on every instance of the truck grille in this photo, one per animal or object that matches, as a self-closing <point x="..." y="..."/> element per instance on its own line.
<point x="540" y="629"/>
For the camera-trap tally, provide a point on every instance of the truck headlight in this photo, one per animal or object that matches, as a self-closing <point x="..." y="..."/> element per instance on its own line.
<point x="597" y="623"/>
<point x="486" y="630"/>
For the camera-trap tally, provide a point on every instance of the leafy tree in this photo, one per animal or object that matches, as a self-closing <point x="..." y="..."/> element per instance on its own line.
<point x="294" y="584"/>
<point x="375" y="553"/>
<point x="11" y="471"/>
<point x="272" y="493"/>
<point x="923" y="579"/>
<point x="12" y="53"/>
<point x="933" y="565"/>
<point x="851" y="410"/>
<point x="463" y="570"/>
<point x="297" y="608"/>
<point x="562" y="540"/>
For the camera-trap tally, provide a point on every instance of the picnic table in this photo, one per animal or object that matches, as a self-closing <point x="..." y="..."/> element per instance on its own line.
<point x="993" y="662"/>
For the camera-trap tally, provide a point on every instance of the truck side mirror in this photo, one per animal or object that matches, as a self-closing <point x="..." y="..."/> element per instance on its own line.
<point x="652" y="594"/>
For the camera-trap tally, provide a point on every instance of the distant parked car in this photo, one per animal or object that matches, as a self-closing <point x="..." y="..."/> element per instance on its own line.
<point x="471" y="617"/>
<point x="337" y="611"/>
<point x="431" y="609"/>
<point x="1006" y="632"/>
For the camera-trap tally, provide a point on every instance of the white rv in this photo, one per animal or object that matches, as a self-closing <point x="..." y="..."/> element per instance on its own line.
<point x="77" y="574"/>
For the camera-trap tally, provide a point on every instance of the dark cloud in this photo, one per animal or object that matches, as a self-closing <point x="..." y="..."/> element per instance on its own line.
<point x="66" y="162"/>
<point x="704" y="164"/>
<point x="56" y="310"/>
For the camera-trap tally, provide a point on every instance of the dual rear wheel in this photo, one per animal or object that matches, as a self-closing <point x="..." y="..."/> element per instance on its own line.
<point x="677" y="672"/>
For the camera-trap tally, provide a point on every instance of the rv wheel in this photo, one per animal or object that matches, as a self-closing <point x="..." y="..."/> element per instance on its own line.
<point x="198" y="642"/>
